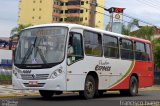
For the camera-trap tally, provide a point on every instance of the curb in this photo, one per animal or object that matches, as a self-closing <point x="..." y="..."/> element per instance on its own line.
<point x="20" y="95"/>
<point x="31" y="95"/>
<point x="149" y="90"/>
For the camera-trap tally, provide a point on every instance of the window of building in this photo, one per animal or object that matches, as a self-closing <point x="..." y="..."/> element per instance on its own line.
<point x="66" y="3"/>
<point x="110" y="45"/>
<point x="61" y="11"/>
<point x="61" y="20"/>
<point x="54" y="18"/>
<point x="33" y="17"/>
<point x="86" y="2"/>
<point x="82" y="2"/>
<point x="81" y="11"/>
<point x="76" y="2"/>
<point x="81" y="19"/>
<point x="73" y="11"/>
<point x="34" y="1"/>
<point x="93" y="43"/>
<point x="58" y="3"/>
<point x="57" y="11"/>
<point x="86" y="18"/>
<point x="66" y="11"/>
<point x="140" y="51"/>
<point x="39" y="17"/>
<point x="126" y="49"/>
<point x="62" y="4"/>
<point x="33" y="9"/>
<point x="40" y="1"/>
<point x="40" y="9"/>
<point x="148" y="52"/>
<point x="86" y="10"/>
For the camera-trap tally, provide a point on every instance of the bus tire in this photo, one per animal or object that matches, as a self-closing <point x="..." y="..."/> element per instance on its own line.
<point x="89" y="88"/>
<point x="99" y="93"/>
<point x="133" y="86"/>
<point x="46" y="93"/>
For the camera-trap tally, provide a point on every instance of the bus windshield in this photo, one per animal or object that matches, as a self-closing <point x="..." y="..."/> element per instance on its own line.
<point x="41" y="46"/>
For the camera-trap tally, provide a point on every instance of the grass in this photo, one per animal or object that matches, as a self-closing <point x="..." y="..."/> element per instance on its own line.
<point x="5" y="77"/>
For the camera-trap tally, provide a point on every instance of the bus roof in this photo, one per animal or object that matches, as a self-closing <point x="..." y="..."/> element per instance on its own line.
<point x="89" y="28"/>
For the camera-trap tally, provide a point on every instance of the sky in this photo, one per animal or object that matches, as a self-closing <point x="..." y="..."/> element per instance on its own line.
<point x="146" y="10"/>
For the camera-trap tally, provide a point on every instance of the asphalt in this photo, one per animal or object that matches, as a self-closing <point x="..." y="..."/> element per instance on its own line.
<point x="7" y="91"/>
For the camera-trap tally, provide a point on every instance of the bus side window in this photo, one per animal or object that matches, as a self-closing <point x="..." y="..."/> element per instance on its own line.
<point x="148" y="52"/>
<point x="75" y="48"/>
<point x="126" y="49"/>
<point x="140" y="53"/>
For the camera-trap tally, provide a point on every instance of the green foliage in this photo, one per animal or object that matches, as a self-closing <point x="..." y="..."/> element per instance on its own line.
<point x="5" y="77"/>
<point x="156" y="49"/>
<point x="145" y="32"/>
<point x="126" y="29"/>
<point x="15" y="31"/>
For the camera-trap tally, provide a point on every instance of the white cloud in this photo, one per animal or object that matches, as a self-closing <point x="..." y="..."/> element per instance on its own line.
<point x="6" y="27"/>
<point x="8" y="16"/>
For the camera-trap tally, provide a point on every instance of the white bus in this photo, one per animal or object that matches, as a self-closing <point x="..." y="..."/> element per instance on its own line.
<point x="56" y="58"/>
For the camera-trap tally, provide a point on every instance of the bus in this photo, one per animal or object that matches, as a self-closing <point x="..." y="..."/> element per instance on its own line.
<point x="57" y="58"/>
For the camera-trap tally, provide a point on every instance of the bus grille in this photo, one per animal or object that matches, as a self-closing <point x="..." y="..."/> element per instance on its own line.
<point x="34" y="76"/>
<point x="38" y="85"/>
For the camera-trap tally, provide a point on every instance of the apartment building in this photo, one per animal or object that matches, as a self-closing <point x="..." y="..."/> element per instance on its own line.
<point x="61" y="11"/>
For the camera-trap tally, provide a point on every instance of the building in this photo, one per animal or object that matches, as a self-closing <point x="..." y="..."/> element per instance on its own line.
<point x="5" y="58"/>
<point x="67" y="11"/>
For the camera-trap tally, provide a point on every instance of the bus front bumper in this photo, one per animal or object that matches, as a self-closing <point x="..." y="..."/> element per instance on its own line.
<point x="57" y="84"/>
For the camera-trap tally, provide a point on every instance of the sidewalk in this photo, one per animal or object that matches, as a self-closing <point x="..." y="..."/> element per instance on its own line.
<point x="7" y="91"/>
<point x="153" y="88"/>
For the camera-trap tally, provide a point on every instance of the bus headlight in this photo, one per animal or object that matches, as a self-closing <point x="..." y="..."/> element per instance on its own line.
<point x="56" y="73"/>
<point x="16" y="74"/>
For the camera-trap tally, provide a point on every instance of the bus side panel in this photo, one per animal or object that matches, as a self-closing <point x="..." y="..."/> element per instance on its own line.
<point x="144" y="71"/>
<point x="146" y="76"/>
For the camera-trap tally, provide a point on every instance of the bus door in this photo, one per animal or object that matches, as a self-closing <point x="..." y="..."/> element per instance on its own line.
<point x="75" y="64"/>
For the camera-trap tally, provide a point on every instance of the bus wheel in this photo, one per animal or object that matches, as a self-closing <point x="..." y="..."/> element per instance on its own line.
<point x="46" y="93"/>
<point x="89" y="89"/>
<point x="133" y="86"/>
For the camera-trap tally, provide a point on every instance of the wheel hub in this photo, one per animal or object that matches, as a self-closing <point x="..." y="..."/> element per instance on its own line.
<point x="89" y="87"/>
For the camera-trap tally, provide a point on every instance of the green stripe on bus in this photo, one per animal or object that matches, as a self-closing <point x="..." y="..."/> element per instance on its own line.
<point x="127" y="73"/>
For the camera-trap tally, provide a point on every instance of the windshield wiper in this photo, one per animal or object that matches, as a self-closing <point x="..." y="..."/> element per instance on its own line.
<point x="29" y="51"/>
<point x="41" y="54"/>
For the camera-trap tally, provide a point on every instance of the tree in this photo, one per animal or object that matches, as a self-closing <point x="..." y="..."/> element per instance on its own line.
<point x="15" y="33"/>
<point x="145" y="32"/>
<point x="156" y="49"/>
<point x="126" y="29"/>
<point x="16" y="30"/>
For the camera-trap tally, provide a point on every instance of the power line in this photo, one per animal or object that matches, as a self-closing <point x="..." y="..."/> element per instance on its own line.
<point x="148" y="4"/>
<point x="156" y="3"/>
<point x="106" y="9"/>
<point x="104" y="14"/>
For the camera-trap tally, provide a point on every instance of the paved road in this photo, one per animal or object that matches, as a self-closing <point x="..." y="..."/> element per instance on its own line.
<point x="75" y="100"/>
